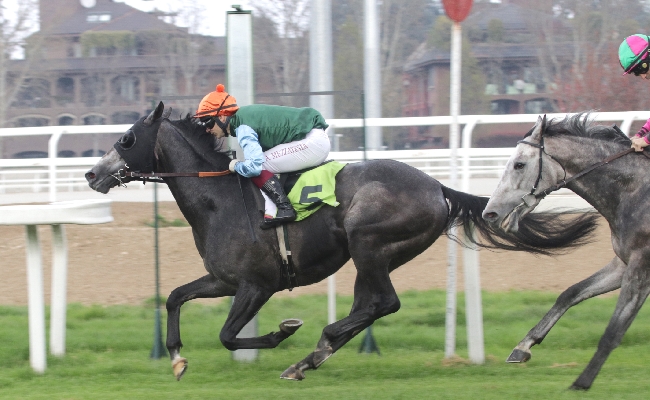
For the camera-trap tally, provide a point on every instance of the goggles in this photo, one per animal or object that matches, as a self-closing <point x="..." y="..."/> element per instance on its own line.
<point x="641" y="68"/>
<point x="208" y="122"/>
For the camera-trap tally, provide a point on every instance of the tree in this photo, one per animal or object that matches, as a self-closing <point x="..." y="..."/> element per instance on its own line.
<point x="16" y="24"/>
<point x="281" y="48"/>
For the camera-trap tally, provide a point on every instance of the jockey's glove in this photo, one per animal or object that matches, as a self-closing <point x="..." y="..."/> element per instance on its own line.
<point x="231" y="166"/>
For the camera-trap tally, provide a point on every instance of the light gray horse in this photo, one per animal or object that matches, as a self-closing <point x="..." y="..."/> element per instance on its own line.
<point x="594" y="161"/>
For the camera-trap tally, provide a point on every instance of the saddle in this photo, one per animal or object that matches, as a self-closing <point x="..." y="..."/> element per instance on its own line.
<point x="306" y="198"/>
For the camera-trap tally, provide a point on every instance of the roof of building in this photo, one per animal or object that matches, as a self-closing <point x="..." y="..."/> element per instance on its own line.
<point x="485" y="51"/>
<point x="107" y="15"/>
<point x="514" y="17"/>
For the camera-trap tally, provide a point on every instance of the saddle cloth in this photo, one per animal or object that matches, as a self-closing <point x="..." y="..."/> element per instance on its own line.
<point x="308" y="190"/>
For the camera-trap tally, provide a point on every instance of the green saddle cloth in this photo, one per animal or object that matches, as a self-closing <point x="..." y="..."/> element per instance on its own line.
<point x="314" y="189"/>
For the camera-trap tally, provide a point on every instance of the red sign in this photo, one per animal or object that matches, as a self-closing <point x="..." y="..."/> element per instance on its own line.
<point x="457" y="10"/>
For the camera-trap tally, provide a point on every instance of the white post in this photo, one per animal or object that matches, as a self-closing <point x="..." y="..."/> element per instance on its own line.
<point x="454" y="108"/>
<point x="52" y="146"/>
<point x="372" y="73"/>
<point x="239" y="65"/>
<point x="473" y="303"/>
<point x="320" y="80"/>
<point x="59" y="289"/>
<point x="36" y="305"/>
<point x="331" y="299"/>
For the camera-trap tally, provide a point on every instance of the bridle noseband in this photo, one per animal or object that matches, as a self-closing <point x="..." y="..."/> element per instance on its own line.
<point x="546" y="192"/>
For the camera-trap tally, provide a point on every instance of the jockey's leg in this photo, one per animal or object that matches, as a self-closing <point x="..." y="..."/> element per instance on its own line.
<point x="288" y="157"/>
<point x="277" y="207"/>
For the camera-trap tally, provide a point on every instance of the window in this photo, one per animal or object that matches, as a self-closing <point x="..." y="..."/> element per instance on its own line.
<point x="93" y="18"/>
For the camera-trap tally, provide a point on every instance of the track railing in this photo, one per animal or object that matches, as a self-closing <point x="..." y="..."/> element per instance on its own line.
<point x="54" y="174"/>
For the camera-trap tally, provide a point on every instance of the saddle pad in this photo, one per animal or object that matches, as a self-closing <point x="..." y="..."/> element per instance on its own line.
<point x="315" y="188"/>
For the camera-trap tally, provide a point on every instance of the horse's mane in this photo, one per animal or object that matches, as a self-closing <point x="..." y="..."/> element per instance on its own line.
<point x="581" y="125"/>
<point x="191" y="130"/>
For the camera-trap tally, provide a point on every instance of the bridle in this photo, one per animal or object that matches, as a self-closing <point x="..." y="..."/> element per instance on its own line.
<point x="564" y="181"/>
<point x="124" y="173"/>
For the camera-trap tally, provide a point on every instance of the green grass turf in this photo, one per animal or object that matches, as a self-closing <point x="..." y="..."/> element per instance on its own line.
<point x="108" y="352"/>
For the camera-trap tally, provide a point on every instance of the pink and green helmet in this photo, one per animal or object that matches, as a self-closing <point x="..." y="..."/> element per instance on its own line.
<point x="632" y="51"/>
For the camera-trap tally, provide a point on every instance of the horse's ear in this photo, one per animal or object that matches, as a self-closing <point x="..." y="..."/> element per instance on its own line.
<point x="167" y="112"/>
<point x="155" y="114"/>
<point x="539" y="127"/>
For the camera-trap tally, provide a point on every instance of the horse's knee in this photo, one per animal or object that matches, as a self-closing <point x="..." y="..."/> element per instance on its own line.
<point x="228" y="340"/>
<point x="172" y="301"/>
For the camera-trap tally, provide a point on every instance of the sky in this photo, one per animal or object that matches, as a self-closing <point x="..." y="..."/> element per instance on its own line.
<point x="215" y="9"/>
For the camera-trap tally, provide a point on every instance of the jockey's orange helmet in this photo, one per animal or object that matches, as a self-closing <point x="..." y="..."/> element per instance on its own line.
<point x="217" y="103"/>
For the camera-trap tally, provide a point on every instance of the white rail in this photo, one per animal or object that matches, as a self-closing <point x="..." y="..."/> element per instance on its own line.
<point x="54" y="174"/>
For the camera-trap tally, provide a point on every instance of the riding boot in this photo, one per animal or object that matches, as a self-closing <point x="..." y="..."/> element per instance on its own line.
<point x="286" y="213"/>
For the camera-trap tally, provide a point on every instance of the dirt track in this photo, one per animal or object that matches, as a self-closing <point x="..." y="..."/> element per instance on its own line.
<point x="114" y="263"/>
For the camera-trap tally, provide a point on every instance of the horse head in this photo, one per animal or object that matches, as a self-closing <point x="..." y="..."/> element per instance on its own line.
<point x="529" y="171"/>
<point x="134" y="151"/>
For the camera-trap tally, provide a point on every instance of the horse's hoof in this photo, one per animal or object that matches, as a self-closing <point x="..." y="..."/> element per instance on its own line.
<point x="290" y="326"/>
<point x="321" y="355"/>
<point x="518" y="356"/>
<point x="179" y="365"/>
<point x="293" y="374"/>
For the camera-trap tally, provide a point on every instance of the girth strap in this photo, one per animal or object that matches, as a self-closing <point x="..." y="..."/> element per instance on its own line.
<point x="285" y="252"/>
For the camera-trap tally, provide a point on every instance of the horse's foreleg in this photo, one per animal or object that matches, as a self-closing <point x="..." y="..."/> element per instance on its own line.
<point x="248" y="301"/>
<point x="204" y="287"/>
<point x="634" y="290"/>
<point x="374" y="298"/>
<point x="603" y="281"/>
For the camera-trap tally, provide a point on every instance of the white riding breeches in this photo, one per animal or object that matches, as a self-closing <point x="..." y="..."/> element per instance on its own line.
<point x="301" y="154"/>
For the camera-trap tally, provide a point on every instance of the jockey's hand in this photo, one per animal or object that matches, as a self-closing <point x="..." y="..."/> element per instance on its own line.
<point x="638" y="143"/>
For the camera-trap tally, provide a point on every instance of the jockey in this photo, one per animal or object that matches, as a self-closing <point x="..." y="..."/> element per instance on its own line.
<point x="634" y="56"/>
<point x="275" y="139"/>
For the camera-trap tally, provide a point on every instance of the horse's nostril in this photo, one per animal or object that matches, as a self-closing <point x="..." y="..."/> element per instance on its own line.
<point x="90" y="175"/>
<point x="490" y="215"/>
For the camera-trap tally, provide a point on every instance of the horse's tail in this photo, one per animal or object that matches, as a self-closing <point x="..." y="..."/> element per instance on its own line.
<point x="540" y="233"/>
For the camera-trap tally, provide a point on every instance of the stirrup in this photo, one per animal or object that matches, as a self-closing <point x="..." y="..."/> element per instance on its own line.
<point x="282" y="217"/>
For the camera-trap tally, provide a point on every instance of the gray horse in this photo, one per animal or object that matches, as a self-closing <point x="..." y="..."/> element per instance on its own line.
<point x="389" y="213"/>
<point x="594" y="161"/>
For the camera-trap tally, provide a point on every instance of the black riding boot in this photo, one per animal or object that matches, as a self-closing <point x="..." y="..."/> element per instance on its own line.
<point x="286" y="213"/>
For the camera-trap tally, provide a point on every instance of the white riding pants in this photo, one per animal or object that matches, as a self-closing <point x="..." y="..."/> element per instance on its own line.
<point x="294" y="156"/>
<point x="288" y="157"/>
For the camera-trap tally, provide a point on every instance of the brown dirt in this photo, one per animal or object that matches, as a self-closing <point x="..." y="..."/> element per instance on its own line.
<point x="114" y="263"/>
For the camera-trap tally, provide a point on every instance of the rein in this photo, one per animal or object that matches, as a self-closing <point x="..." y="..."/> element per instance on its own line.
<point x="564" y="181"/>
<point x="158" y="176"/>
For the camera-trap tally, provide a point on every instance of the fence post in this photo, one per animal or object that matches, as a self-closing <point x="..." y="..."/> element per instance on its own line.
<point x="52" y="146"/>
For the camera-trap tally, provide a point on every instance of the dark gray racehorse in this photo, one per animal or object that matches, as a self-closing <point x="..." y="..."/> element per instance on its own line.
<point x="618" y="190"/>
<point x="389" y="212"/>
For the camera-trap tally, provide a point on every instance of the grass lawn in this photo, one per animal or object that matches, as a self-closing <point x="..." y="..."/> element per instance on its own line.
<point x="108" y="352"/>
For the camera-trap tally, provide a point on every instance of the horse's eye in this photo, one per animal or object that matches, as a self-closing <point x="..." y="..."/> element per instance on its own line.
<point x="519" y="165"/>
<point x="127" y="140"/>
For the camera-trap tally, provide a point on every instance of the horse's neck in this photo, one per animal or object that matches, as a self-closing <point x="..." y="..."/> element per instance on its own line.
<point x="610" y="186"/>
<point x="196" y="196"/>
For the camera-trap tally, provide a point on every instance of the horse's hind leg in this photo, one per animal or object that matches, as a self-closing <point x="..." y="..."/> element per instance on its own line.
<point x="205" y="287"/>
<point x="248" y="301"/>
<point x="374" y="297"/>
<point x="603" y="281"/>
<point x="635" y="288"/>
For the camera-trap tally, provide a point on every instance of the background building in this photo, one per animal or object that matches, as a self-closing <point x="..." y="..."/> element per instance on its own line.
<point x="102" y="62"/>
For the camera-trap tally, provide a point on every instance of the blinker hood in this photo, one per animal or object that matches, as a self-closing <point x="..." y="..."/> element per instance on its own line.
<point x="137" y="149"/>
